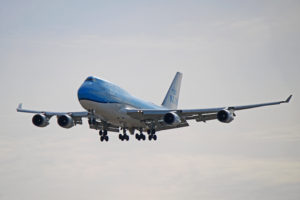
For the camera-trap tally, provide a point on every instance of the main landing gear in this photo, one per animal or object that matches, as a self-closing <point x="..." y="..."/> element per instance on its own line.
<point x="151" y="134"/>
<point x="140" y="136"/>
<point x="103" y="135"/>
<point x="124" y="136"/>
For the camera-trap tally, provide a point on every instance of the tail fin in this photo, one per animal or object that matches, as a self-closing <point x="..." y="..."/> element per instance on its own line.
<point x="172" y="97"/>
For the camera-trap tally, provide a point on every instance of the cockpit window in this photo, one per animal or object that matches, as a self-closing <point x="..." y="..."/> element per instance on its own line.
<point x="90" y="78"/>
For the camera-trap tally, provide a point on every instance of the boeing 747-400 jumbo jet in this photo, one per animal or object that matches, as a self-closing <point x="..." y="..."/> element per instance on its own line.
<point x="110" y="108"/>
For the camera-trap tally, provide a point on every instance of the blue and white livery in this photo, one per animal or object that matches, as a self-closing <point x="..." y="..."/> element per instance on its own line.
<point x="109" y="108"/>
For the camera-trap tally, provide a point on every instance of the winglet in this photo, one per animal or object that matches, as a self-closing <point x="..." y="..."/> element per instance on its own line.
<point x="288" y="99"/>
<point x="19" y="107"/>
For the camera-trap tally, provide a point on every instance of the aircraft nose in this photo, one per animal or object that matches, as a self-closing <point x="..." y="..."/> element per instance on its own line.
<point x="83" y="91"/>
<point x="86" y="88"/>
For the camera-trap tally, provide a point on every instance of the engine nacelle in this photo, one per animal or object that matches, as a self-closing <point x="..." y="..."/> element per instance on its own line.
<point x="172" y="119"/>
<point x="225" y="116"/>
<point x="40" y="120"/>
<point x="65" y="121"/>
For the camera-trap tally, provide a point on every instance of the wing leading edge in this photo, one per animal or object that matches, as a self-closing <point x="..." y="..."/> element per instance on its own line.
<point x="50" y="114"/>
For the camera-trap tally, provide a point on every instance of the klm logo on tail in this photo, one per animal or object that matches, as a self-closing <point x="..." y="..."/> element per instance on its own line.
<point x="172" y="97"/>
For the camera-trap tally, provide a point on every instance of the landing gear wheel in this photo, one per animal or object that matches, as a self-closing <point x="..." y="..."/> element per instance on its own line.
<point x="154" y="137"/>
<point x="150" y="137"/>
<point x="121" y="137"/>
<point x="126" y="137"/>
<point x="143" y="137"/>
<point x="106" y="138"/>
<point x="101" y="138"/>
<point x="100" y="133"/>
<point x="138" y="137"/>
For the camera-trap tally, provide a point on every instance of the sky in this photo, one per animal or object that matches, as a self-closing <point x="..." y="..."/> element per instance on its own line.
<point x="230" y="53"/>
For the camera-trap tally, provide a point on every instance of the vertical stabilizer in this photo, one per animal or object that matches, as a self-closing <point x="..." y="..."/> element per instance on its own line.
<point x="172" y="97"/>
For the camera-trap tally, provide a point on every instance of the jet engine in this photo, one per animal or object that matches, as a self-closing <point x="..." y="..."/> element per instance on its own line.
<point x="225" y="116"/>
<point x="40" y="120"/>
<point x="172" y="119"/>
<point x="65" y="121"/>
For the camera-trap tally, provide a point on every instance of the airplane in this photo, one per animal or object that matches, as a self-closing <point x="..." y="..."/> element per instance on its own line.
<point x="110" y="108"/>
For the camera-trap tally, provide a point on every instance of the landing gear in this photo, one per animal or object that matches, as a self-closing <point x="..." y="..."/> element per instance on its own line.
<point x="103" y="136"/>
<point x="140" y="136"/>
<point x="103" y="132"/>
<point x="154" y="137"/>
<point x="151" y="134"/>
<point x="124" y="136"/>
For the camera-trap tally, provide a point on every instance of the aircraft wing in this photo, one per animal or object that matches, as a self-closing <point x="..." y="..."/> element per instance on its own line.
<point x="94" y="120"/>
<point x="232" y="108"/>
<point x="50" y="114"/>
<point x="156" y="116"/>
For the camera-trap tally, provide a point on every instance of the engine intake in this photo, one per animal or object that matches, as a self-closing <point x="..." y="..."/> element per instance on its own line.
<point x="225" y="116"/>
<point x="172" y="119"/>
<point x="65" y="121"/>
<point x="40" y="120"/>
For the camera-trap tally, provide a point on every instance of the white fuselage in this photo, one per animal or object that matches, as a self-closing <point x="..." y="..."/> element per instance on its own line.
<point x="112" y="113"/>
